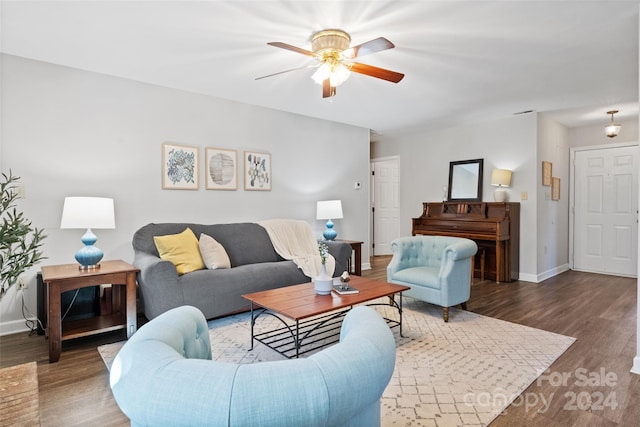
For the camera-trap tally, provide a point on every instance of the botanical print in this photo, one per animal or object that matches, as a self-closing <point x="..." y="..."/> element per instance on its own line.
<point x="221" y="169"/>
<point x="179" y="167"/>
<point x="257" y="168"/>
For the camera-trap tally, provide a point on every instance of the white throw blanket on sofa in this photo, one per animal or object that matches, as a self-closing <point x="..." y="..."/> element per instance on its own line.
<point x="293" y="240"/>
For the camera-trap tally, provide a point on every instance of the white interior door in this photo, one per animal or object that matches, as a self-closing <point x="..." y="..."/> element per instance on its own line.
<point x="606" y="210"/>
<point x="385" y="203"/>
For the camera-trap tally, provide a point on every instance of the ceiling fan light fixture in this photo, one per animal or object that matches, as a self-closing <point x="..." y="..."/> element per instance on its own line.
<point x="331" y="50"/>
<point x="322" y="73"/>
<point x="612" y="129"/>
<point x="336" y="72"/>
<point x="329" y="41"/>
<point x="339" y="74"/>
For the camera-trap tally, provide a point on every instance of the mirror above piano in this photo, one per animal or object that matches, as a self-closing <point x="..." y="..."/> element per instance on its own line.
<point x="465" y="181"/>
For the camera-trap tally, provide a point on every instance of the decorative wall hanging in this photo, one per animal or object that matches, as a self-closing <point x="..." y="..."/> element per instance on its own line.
<point x="555" y="189"/>
<point x="257" y="171"/>
<point x="221" y="169"/>
<point x="179" y="167"/>
<point x="546" y="173"/>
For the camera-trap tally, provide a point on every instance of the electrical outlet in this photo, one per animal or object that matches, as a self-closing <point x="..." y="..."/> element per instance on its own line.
<point x="22" y="284"/>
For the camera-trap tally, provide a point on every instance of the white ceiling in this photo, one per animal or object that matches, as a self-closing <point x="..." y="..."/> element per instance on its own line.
<point x="464" y="61"/>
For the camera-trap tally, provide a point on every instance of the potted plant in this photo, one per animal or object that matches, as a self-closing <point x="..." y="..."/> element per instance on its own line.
<point x="20" y="242"/>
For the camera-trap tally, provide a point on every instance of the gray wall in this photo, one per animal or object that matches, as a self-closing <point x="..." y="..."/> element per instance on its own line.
<point x="70" y="132"/>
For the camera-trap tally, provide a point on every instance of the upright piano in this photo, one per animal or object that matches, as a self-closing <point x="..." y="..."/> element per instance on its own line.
<point x="495" y="227"/>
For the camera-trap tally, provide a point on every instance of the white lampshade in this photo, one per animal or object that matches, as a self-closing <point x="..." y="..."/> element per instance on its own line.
<point x="88" y="212"/>
<point x="329" y="209"/>
<point x="501" y="178"/>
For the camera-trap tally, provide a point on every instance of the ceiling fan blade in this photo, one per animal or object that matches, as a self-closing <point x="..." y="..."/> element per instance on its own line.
<point x="328" y="90"/>
<point x="292" y="48"/>
<point x="288" y="71"/>
<point x="380" y="73"/>
<point x="372" y="46"/>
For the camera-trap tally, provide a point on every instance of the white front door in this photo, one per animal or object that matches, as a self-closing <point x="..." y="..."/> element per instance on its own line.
<point x="385" y="203"/>
<point x="606" y="210"/>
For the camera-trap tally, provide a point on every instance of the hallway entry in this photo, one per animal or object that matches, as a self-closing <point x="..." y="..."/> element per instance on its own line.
<point x="385" y="203"/>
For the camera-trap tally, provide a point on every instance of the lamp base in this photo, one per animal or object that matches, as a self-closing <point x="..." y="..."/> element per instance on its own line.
<point x="330" y="233"/>
<point x="89" y="256"/>
<point x="500" y="195"/>
<point x="89" y="267"/>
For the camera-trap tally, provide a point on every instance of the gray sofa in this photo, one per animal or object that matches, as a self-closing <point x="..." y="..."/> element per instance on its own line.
<point x="255" y="266"/>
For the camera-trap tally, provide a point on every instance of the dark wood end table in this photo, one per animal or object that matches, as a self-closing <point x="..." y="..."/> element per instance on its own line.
<point x="66" y="277"/>
<point x="356" y="248"/>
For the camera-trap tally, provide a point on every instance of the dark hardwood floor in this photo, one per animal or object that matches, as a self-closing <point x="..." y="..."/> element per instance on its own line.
<point x="589" y="385"/>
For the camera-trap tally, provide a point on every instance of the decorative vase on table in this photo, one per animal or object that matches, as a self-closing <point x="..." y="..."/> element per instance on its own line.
<point x="323" y="283"/>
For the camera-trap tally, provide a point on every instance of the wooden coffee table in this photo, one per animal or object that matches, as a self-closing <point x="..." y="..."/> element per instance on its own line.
<point x="316" y="318"/>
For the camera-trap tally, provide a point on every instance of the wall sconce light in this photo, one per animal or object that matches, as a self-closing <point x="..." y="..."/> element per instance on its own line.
<point x="88" y="212"/>
<point x="500" y="178"/>
<point x="612" y="129"/>
<point x="329" y="209"/>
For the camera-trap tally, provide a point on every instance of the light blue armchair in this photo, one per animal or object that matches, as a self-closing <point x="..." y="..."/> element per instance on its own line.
<point x="163" y="376"/>
<point x="437" y="268"/>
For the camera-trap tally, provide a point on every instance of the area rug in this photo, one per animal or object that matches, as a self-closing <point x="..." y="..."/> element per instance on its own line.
<point x="19" y="404"/>
<point x="461" y="373"/>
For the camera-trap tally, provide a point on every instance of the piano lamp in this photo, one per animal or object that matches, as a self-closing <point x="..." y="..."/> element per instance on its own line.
<point x="500" y="178"/>
<point x="329" y="209"/>
<point x="89" y="213"/>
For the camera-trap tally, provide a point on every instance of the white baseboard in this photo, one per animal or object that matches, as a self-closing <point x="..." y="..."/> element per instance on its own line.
<point x="366" y="266"/>
<point x="636" y="365"/>
<point x="13" y="327"/>
<point x="522" y="277"/>
<point x="550" y="273"/>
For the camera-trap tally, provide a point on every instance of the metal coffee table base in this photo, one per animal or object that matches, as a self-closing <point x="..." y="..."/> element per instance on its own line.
<point x="303" y="336"/>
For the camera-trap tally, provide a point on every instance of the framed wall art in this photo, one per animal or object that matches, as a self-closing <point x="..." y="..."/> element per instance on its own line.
<point x="257" y="171"/>
<point x="555" y="188"/>
<point x="221" y="169"/>
<point x="179" y="167"/>
<point x="546" y="173"/>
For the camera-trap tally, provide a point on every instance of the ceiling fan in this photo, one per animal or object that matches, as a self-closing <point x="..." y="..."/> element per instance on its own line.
<point x="335" y="58"/>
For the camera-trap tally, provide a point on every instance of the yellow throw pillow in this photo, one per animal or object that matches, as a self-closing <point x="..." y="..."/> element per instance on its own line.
<point x="181" y="249"/>
<point x="213" y="253"/>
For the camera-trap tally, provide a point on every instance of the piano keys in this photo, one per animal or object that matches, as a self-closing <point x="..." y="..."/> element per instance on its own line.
<point x="495" y="227"/>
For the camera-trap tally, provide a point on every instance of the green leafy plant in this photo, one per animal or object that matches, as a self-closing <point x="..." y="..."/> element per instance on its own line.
<point x="324" y="252"/>
<point x="20" y="242"/>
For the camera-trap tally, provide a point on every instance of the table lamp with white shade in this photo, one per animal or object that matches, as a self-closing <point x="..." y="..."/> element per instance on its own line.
<point x="329" y="210"/>
<point x="500" y="178"/>
<point x="90" y="213"/>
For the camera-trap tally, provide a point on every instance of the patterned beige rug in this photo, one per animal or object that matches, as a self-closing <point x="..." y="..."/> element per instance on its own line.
<point x="461" y="373"/>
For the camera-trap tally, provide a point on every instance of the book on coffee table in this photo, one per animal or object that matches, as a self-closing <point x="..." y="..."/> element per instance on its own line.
<point x="344" y="290"/>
